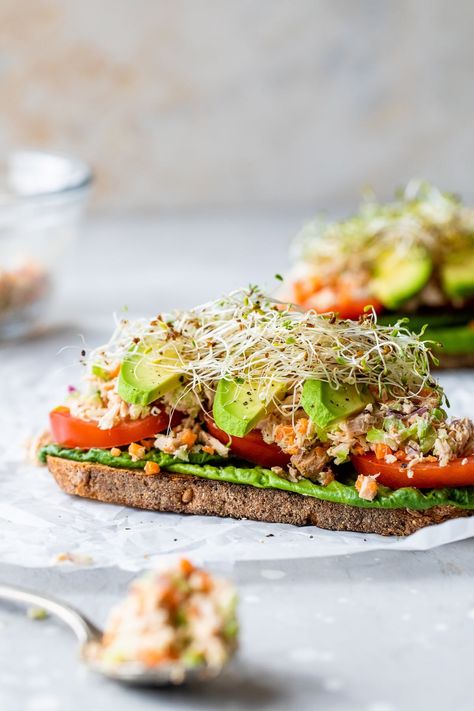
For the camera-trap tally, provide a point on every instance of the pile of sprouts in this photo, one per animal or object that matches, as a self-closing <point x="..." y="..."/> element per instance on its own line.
<point x="251" y="338"/>
<point x="421" y="216"/>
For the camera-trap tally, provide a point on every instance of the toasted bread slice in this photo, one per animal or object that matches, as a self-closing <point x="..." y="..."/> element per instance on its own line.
<point x="190" y="494"/>
<point x="461" y="360"/>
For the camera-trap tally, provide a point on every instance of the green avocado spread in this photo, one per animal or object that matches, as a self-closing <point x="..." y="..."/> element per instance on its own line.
<point x="219" y="469"/>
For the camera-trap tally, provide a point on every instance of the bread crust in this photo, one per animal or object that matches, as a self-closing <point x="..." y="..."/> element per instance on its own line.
<point x="448" y="361"/>
<point x="178" y="493"/>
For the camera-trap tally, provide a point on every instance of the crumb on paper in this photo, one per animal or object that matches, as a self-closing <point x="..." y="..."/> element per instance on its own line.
<point x="37" y="613"/>
<point x="75" y="558"/>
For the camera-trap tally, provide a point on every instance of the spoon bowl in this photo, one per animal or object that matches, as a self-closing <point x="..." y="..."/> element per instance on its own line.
<point x="90" y="637"/>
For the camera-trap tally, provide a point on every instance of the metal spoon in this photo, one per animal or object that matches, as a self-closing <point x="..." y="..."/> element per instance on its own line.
<point x="90" y="636"/>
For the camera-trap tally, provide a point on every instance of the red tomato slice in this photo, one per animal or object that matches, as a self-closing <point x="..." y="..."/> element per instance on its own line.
<point x="349" y="308"/>
<point x="74" y="432"/>
<point x="345" y="303"/>
<point x="354" y="309"/>
<point x="304" y="288"/>
<point x="427" y="475"/>
<point x="251" y="447"/>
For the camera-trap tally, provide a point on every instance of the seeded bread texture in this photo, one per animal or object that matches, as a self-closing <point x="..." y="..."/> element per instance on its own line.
<point x="182" y="494"/>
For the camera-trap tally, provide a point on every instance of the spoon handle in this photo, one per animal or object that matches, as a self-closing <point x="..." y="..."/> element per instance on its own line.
<point x="84" y="630"/>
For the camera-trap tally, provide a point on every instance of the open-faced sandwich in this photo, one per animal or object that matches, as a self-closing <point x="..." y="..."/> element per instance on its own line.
<point x="247" y="408"/>
<point x="413" y="257"/>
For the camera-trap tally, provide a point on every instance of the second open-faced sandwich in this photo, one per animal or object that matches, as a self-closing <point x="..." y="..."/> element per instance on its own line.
<point x="411" y="258"/>
<point x="247" y="408"/>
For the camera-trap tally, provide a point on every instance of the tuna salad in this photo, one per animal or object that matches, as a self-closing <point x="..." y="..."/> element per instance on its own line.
<point x="181" y="617"/>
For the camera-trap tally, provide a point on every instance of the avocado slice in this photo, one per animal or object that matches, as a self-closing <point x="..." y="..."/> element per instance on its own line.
<point x="326" y="406"/>
<point x="397" y="278"/>
<point x="145" y="373"/>
<point x="238" y="406"/>
<point x="457" y="275"/>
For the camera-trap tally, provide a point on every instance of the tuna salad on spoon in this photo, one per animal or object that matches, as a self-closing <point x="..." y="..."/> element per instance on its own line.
<point x="410" y="258"/>
<point x="244" y="407"/>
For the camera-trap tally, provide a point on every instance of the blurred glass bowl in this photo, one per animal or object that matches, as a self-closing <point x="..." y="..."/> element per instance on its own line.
<point x="42" y="198"/>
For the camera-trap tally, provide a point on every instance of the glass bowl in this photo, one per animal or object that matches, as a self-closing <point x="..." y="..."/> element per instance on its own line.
<point x="42" y="198"/>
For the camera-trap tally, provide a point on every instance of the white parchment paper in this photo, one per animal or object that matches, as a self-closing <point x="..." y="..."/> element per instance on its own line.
<point x="38" y="522"/>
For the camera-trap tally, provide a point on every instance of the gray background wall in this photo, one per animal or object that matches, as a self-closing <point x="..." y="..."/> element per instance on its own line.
<point x="185" y="104"/>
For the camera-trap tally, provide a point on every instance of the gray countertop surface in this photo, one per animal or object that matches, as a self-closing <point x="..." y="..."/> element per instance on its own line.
<point x="381" y="631"/>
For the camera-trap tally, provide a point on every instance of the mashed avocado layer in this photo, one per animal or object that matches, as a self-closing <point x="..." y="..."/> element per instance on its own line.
<point x="216" y="468"/>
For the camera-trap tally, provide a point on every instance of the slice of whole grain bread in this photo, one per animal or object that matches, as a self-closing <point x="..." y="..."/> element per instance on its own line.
<point x="448" y="361"/>
<point x="190" y="494"/>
